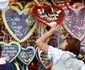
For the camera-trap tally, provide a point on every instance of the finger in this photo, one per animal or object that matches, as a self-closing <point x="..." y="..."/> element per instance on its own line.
<point x="58" y="27"/>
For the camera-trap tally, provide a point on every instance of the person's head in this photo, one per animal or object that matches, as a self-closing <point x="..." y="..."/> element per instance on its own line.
<point x="71" y="44"/>
<point x="0" y="51"/>
<point x="3" y="4"/>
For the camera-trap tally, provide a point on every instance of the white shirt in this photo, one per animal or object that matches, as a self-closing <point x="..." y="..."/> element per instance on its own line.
<point x="2" y="61"/>
<point x="55" y="55"/>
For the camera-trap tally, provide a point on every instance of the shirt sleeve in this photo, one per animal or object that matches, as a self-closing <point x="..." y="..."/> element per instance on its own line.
<point x="83" y="65"/>
<point x="54" y="54"/>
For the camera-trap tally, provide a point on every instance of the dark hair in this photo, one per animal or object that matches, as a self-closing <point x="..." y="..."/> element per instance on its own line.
<point x="47" y="28"/>
<point x="0" y="51"/>
<point x="73" y="45"/>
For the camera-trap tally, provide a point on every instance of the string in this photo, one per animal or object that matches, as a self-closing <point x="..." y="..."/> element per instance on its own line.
<point x="43" y="2"/>
<point x="27" y="67"/>
<point x="58" y="38"/>
<point x="8" y="38"/>
<point x="24" y="2"/>
<point x="39" y="29"/>
<point x="3" y="37"/>
<point x="23" y="67"/>
<point x="83" y="4"/>
<point x="40" y="3"/>
<point x="11" y="9"/>
<point x="65" y="3"/>
<point x="42" y="29"/>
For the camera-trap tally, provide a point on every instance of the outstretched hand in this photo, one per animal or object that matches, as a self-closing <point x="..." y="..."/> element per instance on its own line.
<point x="53" y="30"/>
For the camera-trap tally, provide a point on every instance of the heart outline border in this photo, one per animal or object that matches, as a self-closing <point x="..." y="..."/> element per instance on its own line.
<point x="29" y="47"/>
<point x="13" y="42"/>
<point x="7" y="27"/>
<point x="45" y="22"/>
<point x="76" y="10"/>
<point x="40" y="59"/>
<point x="33" y="3"/>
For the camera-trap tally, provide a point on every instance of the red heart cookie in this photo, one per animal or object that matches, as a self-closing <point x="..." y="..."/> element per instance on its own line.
<point x="50" y="15"/>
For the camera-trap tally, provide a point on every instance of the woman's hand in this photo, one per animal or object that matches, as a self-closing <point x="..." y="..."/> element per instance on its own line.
<point x="53" y="30"/>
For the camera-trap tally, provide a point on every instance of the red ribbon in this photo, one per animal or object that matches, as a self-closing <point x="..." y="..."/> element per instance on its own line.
<point x="83" y="10"/>
<point x="65" y="3"/>
<point x="11" y="8"/>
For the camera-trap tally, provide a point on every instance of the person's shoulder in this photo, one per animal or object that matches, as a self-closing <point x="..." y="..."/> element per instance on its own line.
<point x="69" y="53"/>
<point x="51" y="47"/>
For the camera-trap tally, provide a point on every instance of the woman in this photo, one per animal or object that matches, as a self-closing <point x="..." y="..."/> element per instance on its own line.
<point x="4" y="65"/>
<point x="63" y="58"/>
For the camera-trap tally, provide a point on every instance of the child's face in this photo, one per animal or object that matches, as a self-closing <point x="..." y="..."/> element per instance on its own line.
<point x="63" y="45"/>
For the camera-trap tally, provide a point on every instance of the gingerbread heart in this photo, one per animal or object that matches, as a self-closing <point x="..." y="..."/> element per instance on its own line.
<point x="74" y="21"/>
<point x="50" y="15"/>
<point x="12" y="50"/>
<point x="17" y="24"/>
<point x="27" y="55"/>
<point x="44" y="59"/>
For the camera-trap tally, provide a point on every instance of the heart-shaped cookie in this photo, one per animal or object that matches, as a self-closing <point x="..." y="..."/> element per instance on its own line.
<point x="44" y="59"/>
<point x="50" y="15"/>
<point x="12" y="50"/>
<point x="27" y="55"/>
<point x="74" y="21"/>
<point x="17" y="24"/>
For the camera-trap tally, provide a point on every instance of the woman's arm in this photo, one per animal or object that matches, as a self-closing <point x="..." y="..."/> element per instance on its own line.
<point x="41" y="42"/>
